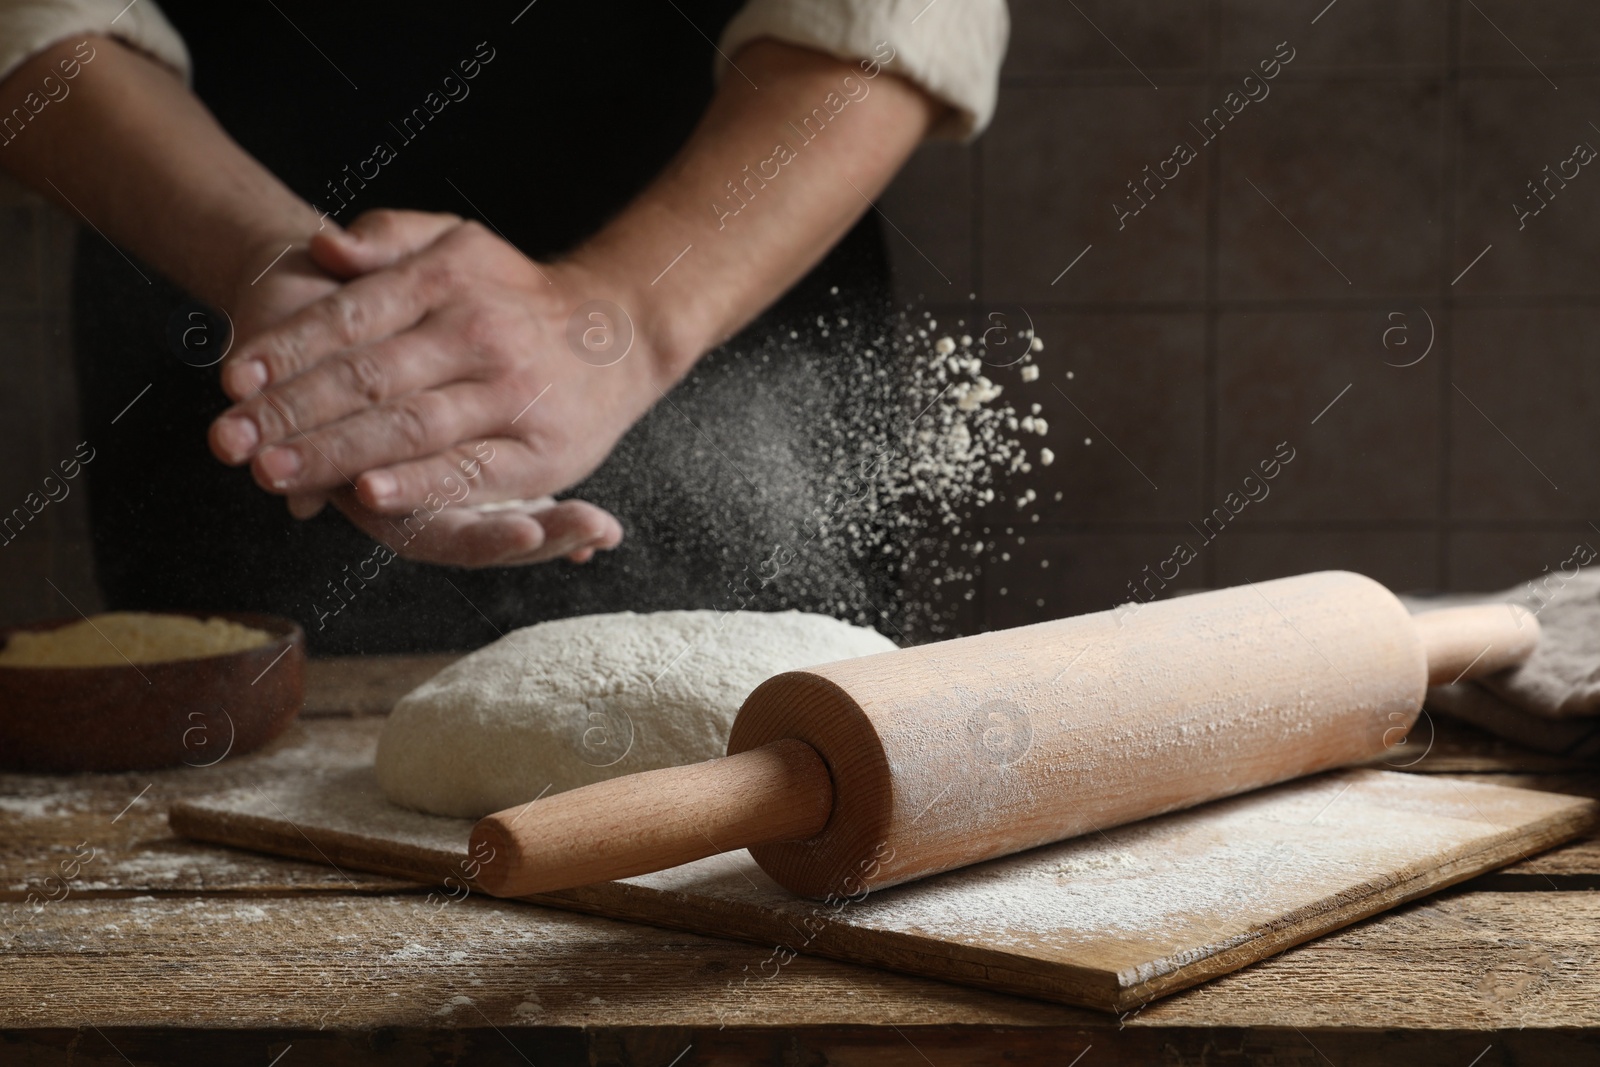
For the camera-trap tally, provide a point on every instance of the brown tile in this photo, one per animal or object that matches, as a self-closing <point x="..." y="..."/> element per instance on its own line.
<point x="1347" y="34"/>
<point x="1106" y="37"/>
<point x="71" y="566"/>
<point x="1511" y="130"/>
<point x="23" y="418"/>
<point x="62" y="429"/>
<point x="24" y="594"/>
<point x="929" y="208"/>
<point x="69" y="517"/>
<point x="1522" y="427"/>
<point x="40" y="556"/>
<point x="1055" y="163"/>
<point x="1404" y="560"/>
<point x="58" y="236"/>
<point x="1370" y="456"/>
<point x="19" y="265"/>
<point x="1127" y="428"/>
<point x="1491" y="560"/>
<point x="59" y="385"/>
<point x="1086" y="572"/>
<point x="1331" y="189"/>
<point x="14" y="194"/>
<point x="1514" y="38"/>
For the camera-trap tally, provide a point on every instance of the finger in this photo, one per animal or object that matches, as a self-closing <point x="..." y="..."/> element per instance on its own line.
<point x="458" y="537"/>
<point x="476" y="471"/>
<point x="378" y="239"/>
<point x="338" y="386"/>
<point x="306" y="505"/>
<point x="575" y="529"/>
<point x="367" y="309"/>
<point x="465" y="536"/>
<point x="471" y="538"/>
<point x="407" y="428"/>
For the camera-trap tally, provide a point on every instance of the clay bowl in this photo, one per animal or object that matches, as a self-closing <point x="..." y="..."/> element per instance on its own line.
<point x="123" y="718"/>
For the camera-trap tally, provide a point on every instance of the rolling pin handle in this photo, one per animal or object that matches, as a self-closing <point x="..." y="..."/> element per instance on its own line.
<point x="654" y="820"/>
<point x="1475" y="641"/>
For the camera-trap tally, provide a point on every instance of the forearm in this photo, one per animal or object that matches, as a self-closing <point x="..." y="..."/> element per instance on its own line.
<point x="758" y="194"/>
<point x="131" y="150"/>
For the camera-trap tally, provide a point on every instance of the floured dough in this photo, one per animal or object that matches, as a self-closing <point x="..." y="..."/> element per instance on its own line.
<point x="562" y="704"/>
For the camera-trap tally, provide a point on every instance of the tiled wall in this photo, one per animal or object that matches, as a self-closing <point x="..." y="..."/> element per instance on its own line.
<point x="1256" y="287"/>
<point x="38" y="418"/>
<point x="1253" y="291"/>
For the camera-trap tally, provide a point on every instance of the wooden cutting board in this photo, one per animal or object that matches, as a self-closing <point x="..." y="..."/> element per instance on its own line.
<point x="1109" y="921"/>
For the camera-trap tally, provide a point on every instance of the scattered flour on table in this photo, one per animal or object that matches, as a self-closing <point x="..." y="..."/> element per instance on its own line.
<point x="561" y="704"/>
<point x="43" y="805"/>
<point x="1092" y="863"/>
<point x="454" y="1003"/>
<point x="1207" y="877"/>
<point x="1181" y="887"/>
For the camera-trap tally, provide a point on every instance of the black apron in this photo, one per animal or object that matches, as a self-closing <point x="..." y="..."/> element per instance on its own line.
<point x="576" y="107"/>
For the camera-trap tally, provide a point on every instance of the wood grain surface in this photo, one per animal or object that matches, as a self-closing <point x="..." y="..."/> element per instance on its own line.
<point x="395" y="960"/>
<point x="1443" y="970"/>
<point x="43" y="817"/>
<point x="1510" y="977"/>
<point x="1109" y="921"/>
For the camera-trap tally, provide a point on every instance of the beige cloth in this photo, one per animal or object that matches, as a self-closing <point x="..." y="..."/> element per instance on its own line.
<point x="30" y="26"/>
<point x="951" y="48"/>
<point x="1551" y="702"/>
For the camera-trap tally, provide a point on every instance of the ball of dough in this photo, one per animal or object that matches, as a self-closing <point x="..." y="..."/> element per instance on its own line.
<point x="565" y="703"/>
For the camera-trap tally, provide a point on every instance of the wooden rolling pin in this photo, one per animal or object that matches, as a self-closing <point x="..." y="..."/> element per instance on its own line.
<point x="874" y="771"/>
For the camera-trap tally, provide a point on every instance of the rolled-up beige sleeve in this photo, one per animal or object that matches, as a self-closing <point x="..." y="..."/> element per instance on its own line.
<point x="28" y="27"/>
<point x="950" y="48"/>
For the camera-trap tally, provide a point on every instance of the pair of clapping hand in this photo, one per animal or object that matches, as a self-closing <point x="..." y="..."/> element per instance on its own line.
<point x="379" y="366"/>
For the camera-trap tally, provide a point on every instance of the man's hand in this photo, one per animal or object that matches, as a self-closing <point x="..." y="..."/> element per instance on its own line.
<point x="378" y="392"/>
<point x="499" y="535"/>
<point x="394" y="374"/>
<point x="383" y="391"/>
<point x="270" y="296"/>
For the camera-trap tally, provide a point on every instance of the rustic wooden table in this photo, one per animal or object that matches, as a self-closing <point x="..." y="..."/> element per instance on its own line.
<point x="123" y="944"/>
